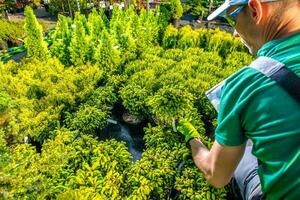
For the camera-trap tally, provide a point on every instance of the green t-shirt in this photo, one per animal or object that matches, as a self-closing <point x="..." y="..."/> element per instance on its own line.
<point x="253" y="106"/>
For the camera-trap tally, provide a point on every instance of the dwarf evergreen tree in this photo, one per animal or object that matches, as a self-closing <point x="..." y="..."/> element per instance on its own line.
<point x="34" y="43"/>
<point x="107" y="55"/>
<point x="62" y="39"/>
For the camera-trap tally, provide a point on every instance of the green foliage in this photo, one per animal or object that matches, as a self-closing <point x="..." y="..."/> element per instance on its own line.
<point x="223" y="43"/>
<point x="61" y="40"/>
<point x="4" y="101"/>
<point x="187" y="38"/>
<point x="34" y="42"/>
<point x="66" y="165"/>
<point x="164" y="17"/>
<point x="87" y="119"/>
<point x="48" y="91"/>
<point x="79" y="46"/>
<point x="170" y="37"/>
<point x="153" y="175"/>
<point x="107" y="56"/>
<point x="237" y="59"/>
<point x="176" y="8"/>
<point x="134" y="98"/>
<point x="146" y="30"/>
<point x="10" y="32"/>
<point x="121" y="28"/>
<point x="108" y="44"/>
<point x="200" y="7"/>
<point x="166" y="86"/>
<point x="63" y="6"/>
<point x="210" y="40"/>
<point x="169" y="104"/>
<point x="100" y="96"/>
<point x="196" y="7"/>
<point x="192" y="185"/>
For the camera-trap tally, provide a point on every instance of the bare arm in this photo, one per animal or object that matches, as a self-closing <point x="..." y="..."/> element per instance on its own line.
<point x="217" y="164"/>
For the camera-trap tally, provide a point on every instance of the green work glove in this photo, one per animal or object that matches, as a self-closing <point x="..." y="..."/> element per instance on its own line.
<point x="188" y="130"/>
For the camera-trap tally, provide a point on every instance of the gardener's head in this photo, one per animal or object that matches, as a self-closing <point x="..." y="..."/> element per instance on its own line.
<point x="259" y="21"/>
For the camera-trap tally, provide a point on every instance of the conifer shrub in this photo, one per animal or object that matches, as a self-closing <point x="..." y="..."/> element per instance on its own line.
<point x="176" y="8"/>
<point x="88" y="119"/>
<point x="170" y="37"/>
<point x="61" y="40"/>
<point x="48" y="92"/>
<point x="223" y="43"/>
<point x="4" y="102"/>
<point x="170" y="103"/>
<point x="187" y="38"/>
<point x="10" y="32"/>
<point x="34" y="42"/>
<point x="67" y="164"/>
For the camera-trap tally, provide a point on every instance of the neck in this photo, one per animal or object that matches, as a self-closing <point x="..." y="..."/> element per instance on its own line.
<point x="287" y="25"/>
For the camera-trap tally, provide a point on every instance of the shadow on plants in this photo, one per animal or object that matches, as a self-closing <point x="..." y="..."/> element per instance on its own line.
<point x="131" y="134"/>
<point x="121" y="132"/>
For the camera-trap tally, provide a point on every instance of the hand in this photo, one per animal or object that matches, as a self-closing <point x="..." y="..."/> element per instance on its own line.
<point x="188" y="130"/>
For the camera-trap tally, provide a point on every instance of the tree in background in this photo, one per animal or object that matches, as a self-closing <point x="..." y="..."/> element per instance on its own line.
<point x="200" y="8"/>
<point x="4" y="7"/>
<point x="70" y="7"/>
<point x="14" y="5"/>
<point x="177" y="11"/>
<point x="196" y="8"/>
<point x="34" y="43"/>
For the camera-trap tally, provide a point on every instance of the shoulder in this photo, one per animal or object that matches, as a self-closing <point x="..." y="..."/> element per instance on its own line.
<point x="242" y="84"/>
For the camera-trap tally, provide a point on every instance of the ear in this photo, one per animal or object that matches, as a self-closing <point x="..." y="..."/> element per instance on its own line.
<point x="256" y="11"/>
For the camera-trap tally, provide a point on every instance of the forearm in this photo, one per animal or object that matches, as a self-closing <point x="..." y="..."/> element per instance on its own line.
<point x="201" y="158"/>
<point x="218" y="163"/>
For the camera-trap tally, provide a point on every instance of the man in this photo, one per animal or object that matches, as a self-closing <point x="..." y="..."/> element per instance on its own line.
<point x="257" y="139"/>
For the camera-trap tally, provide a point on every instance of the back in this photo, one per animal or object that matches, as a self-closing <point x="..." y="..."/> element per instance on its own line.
<point x="253" y="106"/>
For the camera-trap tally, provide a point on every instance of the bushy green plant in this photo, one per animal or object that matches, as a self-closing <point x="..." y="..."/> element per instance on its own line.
<point x="176" y="8"/>
<point x="237" y="59"/>
<point x="164" y="17"/>
<point x="196" y="8"/>
<point x="223" y="43"/>
<point x="48" y="91"/>
<point x="211" y="40"/>
<point x="198" y="187"/>
<point x="67" y="164"/>
<point x="146" y="30"/>
<point x="4" y="101"/>
<point x="10" y="32"/>
<point x="187" y="38"/>
<point x="170" y="103"/>
<point x="107" y="56"/>
<point x="134" y="98"/>
<point x="170" y="37"/>
<point x="153" y="175"/>
<point x="69" y="7"/>
<point x="88" y="119"/>
<point x="79" y="48"/>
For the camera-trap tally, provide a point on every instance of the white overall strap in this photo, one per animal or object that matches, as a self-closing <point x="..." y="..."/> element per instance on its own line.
<point x="266" y="65"/>
<point x="277" y="71"/>
<point x="214" y="95"/>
